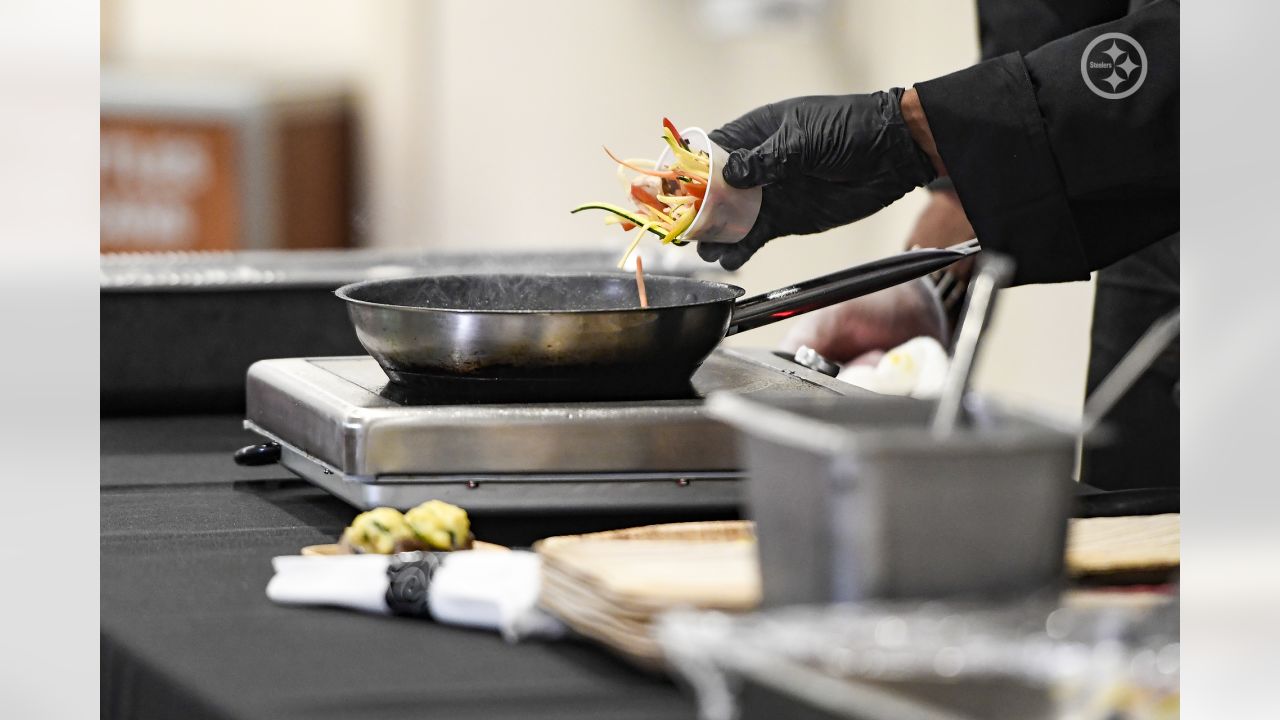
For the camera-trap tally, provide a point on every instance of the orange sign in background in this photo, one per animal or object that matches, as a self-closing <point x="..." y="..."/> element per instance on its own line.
<point x="169" y="185"/>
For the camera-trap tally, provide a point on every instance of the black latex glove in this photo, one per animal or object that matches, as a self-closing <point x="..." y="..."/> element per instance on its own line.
<point x="824" y="161"/>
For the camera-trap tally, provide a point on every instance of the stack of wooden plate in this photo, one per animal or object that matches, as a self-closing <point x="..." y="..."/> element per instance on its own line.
<point x="609" y="586"/>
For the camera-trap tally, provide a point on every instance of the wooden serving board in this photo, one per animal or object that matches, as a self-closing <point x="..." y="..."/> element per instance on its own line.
<point x="609" y="586"/>
<point x="1107" y="545"/>
<point x="644" y="577"/>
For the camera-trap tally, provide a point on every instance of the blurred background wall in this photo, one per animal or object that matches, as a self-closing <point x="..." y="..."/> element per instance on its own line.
<point x="478" y="123"/>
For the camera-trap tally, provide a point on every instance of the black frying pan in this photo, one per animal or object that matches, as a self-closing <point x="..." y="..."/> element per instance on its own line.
<point x="584" y="336"/>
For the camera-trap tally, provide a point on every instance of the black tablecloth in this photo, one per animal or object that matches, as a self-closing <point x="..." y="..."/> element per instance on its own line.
<point x="187" y="630"/>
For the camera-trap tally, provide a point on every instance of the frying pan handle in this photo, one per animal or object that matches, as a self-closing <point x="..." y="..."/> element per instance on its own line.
<point x="757" y="310"/>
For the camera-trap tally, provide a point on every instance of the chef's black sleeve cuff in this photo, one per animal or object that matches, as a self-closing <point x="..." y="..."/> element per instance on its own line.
<point x="992" y="139"/>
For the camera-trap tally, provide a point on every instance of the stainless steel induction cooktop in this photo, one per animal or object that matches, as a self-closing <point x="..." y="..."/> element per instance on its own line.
<point x="344" y="427"/>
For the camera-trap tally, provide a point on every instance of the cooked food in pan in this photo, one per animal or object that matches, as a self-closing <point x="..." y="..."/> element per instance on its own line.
<point x="666" y="199"/>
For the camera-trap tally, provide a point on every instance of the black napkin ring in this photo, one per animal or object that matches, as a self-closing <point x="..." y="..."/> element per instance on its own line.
<point x="408" y="577"/>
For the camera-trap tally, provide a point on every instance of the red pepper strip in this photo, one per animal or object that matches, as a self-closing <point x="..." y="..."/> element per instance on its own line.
<point x="697" y="190"/>
<point x="641" y="195"/>
<point x="675" y="133"/>
<point x="627" y="226"/>
<point x="670" y="175"/>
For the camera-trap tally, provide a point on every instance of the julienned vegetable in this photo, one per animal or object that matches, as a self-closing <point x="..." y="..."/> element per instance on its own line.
<point x="666" y="199"/>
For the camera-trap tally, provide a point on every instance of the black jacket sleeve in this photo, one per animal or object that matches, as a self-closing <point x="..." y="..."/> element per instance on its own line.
<point x="1060" y="178"/>
<point x="1006" y="26"/>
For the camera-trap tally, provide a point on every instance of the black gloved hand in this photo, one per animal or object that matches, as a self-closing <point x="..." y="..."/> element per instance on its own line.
<point x="824" y="161"/>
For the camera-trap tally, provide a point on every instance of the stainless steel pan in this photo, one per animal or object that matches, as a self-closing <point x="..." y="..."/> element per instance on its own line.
<point x="582" y="336"/>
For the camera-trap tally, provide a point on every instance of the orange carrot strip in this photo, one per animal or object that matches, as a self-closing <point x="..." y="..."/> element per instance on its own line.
<point x="644" y="296"/>
<point x="668" y="175"/>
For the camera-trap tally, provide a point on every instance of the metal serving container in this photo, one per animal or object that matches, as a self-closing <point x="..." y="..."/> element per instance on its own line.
<point x="854" y="498"/>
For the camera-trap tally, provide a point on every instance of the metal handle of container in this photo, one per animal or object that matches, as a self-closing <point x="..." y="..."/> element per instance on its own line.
<point x="994" y="273"/>
<point x="1130" y="368"/>
<point x="759" y="310"/>
<point x="252" y="455"/>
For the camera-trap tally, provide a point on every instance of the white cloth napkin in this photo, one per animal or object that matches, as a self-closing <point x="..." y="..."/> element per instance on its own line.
<point x="358" y="582"/>
<point x="917" y="368"/>
<point x="481" y="589"/>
